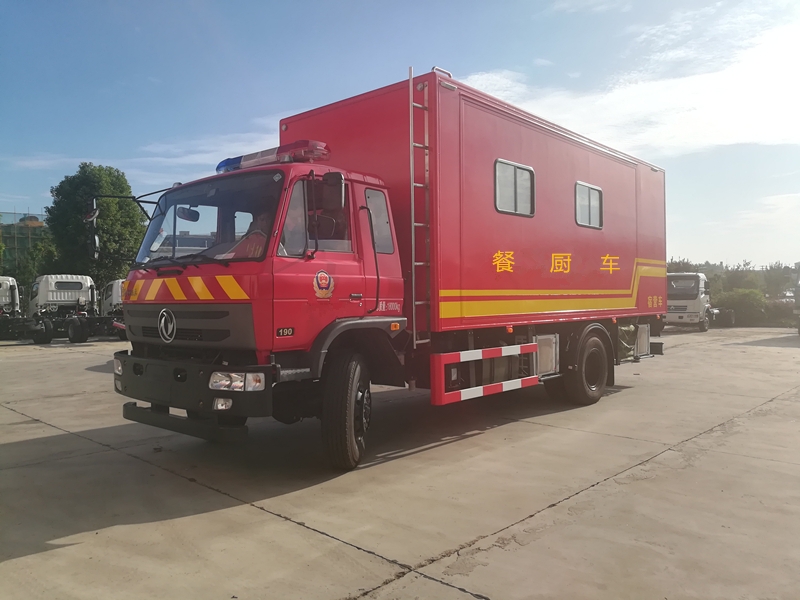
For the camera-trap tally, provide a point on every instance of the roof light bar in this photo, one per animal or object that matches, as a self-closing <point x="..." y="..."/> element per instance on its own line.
<point x="299" y="151"/>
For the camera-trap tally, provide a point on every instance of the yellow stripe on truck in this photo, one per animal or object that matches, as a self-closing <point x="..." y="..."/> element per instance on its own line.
<point x="231" y="287"/>
<point x="175" y="288"/>
<point x="199" y="287"/>
<point x="137" y="287"/>
<point x="154" y="287"/>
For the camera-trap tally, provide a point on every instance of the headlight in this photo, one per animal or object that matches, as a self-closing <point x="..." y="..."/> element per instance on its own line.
<point x="237" y="382"/>
<point x="117" y="366"/>
<point x="220" y="381"/>
<point x="82" y="300"/>
<point x="222" y="403"/>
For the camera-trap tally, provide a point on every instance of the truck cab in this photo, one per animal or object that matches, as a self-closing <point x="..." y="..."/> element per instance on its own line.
<point x="9" y="298"/>
<point x="246" y="280"/>
<point x="111" y="304"/>
<point x="688" y="300"/>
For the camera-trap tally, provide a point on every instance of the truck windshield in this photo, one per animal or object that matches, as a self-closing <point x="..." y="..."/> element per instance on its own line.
<point x="224" y="219"/>
<point x="682" y="288"/>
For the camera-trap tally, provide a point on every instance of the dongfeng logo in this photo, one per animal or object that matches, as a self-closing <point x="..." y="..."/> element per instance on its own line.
<point x="166" y="325"/>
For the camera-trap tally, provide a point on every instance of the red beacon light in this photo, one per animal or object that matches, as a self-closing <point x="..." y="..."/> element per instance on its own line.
<point x="299" y="151"/>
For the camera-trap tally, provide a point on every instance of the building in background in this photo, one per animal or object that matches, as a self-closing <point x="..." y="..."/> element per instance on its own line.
<point x="19" y="232"/>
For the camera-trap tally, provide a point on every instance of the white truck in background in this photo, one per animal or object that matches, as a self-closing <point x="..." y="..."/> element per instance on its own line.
<point x="111" y="306"/>
<point x="689" y="302"/>
<point x="71" y="304"/>
<point x="14" y="325"/>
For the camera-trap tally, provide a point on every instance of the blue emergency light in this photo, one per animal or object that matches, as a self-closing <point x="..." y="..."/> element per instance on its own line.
<point x="299" y="151"/>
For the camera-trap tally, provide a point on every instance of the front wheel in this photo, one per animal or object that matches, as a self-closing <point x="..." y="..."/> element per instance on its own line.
<point x="704" y="322"/>
<point x="586" y="383"/>
<point x="346" y="409"/>
<point x="75" y="331"/>
<point x="45" y="334"/>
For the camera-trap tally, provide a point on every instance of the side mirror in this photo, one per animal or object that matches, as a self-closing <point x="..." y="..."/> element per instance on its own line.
<point x="333" y="191"/>
<point x="188" y="214"/>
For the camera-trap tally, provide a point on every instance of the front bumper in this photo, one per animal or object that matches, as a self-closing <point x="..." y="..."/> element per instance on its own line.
<point x="683" y="318"/>
<point x="184" y="385"/>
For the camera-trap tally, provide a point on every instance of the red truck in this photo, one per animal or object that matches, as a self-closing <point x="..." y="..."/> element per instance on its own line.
<point x="423" y="233"/>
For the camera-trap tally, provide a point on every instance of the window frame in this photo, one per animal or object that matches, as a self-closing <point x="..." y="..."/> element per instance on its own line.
<point x="533" y="188"/>
<point x="348" y="212"/>
<point x="590" y="187"/>
<point x="389" y="217"/>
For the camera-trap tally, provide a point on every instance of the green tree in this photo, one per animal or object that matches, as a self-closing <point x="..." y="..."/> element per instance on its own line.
<point x="681" y="265"/>
<point x="40" y="259"/>
<point x="120" y="226"/>
<point x="742" y="277"/>
<point x="777" y="278"/>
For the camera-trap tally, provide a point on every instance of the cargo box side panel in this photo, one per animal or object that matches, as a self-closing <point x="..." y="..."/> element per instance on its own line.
<point x="544" y="268"/>
<point x="652" y="235"/>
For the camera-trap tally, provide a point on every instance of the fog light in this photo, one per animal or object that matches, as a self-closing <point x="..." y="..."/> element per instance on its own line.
<point x="222" y="403"/>
<point x="118" y="385"/>
<point x="117" y="366"/>
<point x="255" y="382"/>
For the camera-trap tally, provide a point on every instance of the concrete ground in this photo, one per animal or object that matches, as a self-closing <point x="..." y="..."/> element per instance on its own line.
<point x="683" y="482"/>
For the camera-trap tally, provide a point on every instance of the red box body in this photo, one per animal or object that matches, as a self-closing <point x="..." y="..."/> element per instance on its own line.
<point x="616" y="271"/>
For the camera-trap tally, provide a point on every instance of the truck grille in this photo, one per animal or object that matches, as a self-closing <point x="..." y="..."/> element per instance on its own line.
<point x="191" y="335"/>
<point x="676" y="308"/>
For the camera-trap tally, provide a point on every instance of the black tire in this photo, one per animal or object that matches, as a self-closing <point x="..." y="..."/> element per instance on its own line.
<point x="231" y="420"/>
<point x="346" y="409"/>
<point x="84" y="329"/>
<point x="555" y="388"/>
<point x="122" y="334"/>
<point x="704" y="322"/>
<point x="45" y="336"/>
<point x="586" y="384"/>
<point x="656" y="328"/>
<point x="74" y="331"/>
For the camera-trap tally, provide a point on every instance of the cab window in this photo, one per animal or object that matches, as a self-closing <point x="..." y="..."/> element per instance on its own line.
<point x="308" y="215"/>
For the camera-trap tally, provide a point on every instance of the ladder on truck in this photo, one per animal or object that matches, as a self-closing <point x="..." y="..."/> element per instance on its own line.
<point x="420" y="283"/>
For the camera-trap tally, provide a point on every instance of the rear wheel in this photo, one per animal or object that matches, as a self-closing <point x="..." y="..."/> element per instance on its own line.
<point x="346" y="409"/>
<point x="45" y="335"/>
<point x="586" y="383"/>
<point x="74" y="331"/>
<point x="84" y="330"/>
<point x="656" y="328"/>
<point x="122" y="334"/>
<point x="704" y="322"/>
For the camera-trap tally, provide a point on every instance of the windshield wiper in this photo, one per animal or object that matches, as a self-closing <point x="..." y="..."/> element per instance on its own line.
<point x="205" y="258"/>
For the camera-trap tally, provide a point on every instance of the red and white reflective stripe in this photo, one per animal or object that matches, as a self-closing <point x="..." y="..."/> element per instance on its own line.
<point x="482" y="353"/>
<point x="487" y="390"/>
<point x="439" y="361"/>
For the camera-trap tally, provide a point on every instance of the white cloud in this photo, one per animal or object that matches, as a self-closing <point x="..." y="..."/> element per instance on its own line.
<point x="762" y="230"/>
<point x="590" y="5"/>
<point x="542" y="62"/>
<point x="750" y="99"/>
<point x="574" y="74"/>
<point x="160" y="164"/>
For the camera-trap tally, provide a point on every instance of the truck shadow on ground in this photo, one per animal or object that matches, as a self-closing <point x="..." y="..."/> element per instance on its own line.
<point x="59" y="486"/>
<point x="790" y="340"/>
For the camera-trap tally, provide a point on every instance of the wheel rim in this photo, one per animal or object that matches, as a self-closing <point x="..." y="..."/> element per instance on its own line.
<point x="363" y="412"/>
<point x="594" y="369"/>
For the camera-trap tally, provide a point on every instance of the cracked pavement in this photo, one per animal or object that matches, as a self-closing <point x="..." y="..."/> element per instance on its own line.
<point x="684" y="481"/>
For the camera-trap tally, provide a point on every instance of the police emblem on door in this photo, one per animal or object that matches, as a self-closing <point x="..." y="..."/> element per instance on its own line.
<point x="166" y="325"/>
<point x="323" y="285"/>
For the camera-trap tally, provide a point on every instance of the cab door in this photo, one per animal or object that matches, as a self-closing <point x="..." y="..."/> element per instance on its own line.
<point x="314" y="288"/>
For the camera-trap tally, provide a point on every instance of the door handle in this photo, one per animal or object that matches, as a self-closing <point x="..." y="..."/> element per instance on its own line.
<point x="356" y="296"/>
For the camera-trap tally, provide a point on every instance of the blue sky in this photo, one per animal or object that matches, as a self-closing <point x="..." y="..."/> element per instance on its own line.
<point x="165" y="90"/>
